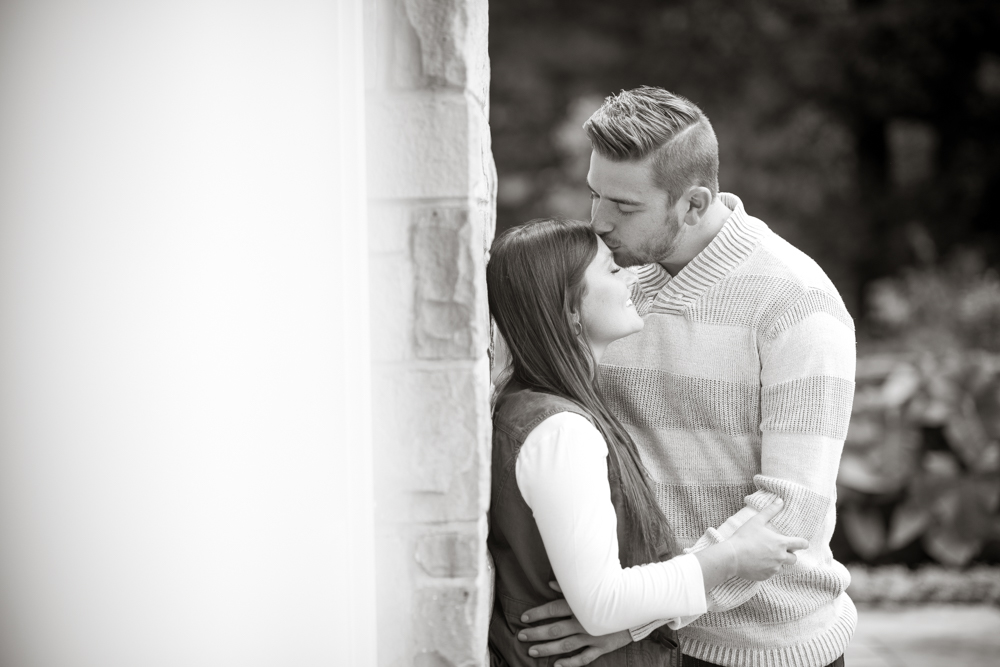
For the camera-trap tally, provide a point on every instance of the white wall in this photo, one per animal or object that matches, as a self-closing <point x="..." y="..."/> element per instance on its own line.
<point x="185" y="455"/>
<point x="432" y="189"/>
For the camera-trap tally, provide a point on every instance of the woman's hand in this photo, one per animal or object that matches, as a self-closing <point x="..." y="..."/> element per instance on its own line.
<point x="759" y="550"/>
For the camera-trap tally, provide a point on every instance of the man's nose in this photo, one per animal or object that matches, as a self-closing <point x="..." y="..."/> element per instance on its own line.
<point x="599" y="221"/>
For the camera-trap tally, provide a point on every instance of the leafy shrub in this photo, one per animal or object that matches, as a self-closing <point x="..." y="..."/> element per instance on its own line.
<point x="922" y="457"/>
<point x="898" y="584"/>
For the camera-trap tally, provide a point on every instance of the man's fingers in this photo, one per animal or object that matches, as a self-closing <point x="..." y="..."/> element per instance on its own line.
<point x="770" y="511"/>
<point x="565" y="628"/>
<point x="554" y="585"/>
<point x="567" y="645"/>
<point x="584" y="658"/>
<point x="554" y="609"/>
<point x="791" y="559"/>
<point x="797" y="544"/>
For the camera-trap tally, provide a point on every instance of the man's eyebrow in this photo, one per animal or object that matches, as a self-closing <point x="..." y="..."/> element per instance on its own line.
<point x="618" y="200"/>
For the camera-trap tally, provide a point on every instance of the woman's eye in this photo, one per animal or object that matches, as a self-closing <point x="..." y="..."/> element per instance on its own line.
<point x="615" y="270"/>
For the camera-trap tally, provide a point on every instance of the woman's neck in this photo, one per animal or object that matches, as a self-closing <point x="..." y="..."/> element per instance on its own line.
<point x="597" y="349"/>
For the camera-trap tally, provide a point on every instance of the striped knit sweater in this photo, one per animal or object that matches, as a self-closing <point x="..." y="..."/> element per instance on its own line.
<point x="739" y="390"/>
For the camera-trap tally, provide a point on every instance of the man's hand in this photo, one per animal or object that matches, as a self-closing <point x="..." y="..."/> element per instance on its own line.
<point x="566" y="635"/>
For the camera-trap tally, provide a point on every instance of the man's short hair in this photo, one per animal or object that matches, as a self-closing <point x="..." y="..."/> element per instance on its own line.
<point x="652" y="121"/>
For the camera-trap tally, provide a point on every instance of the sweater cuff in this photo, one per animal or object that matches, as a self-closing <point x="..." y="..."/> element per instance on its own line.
<point x="730" y="593"/>
<point x="643" y="631"/>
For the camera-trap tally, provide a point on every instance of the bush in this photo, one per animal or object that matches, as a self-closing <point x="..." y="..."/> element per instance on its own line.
<point x="922" y="457"/>
<point x="897" y="584"/>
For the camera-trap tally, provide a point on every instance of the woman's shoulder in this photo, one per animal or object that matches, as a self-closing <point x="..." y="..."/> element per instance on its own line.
<point x="519" y="410"/>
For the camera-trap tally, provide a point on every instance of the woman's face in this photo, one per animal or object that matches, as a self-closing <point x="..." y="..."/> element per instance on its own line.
<point x="606" y="311"/>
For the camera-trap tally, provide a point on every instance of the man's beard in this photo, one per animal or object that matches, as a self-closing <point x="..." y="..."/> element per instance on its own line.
<point x="654" y="250"/>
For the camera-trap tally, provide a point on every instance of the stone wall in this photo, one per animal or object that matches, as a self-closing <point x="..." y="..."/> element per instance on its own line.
<point x="432" y="185"/>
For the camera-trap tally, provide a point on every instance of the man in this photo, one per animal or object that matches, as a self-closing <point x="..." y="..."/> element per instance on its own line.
<point x="738" y="389"/>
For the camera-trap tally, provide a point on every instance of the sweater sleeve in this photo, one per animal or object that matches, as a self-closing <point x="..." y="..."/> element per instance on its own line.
<point x="562" y="474"/>
<point x="807" y="387"/>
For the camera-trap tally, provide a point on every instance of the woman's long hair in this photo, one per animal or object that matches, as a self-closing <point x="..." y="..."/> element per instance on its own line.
<point x="535" y="281"/>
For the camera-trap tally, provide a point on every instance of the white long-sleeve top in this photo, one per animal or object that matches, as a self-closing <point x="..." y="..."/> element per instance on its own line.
<point x="562" y="473"/>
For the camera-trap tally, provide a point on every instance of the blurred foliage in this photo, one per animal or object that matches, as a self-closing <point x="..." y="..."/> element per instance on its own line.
<point x="843" y="124"/>
<point x="922" y="458"/>
<point x="920" y="473"/>
<point x="898" y="584"/>
<point x="937" y="307"/>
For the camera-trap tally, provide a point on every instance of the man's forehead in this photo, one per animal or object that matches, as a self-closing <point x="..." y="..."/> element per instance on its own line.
<point x="625" y="178"/>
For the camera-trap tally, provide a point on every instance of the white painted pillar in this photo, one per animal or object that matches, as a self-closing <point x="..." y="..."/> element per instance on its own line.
<point x="185" y="447"/>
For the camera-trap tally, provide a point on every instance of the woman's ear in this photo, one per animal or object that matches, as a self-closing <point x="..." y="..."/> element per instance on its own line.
<point x="574" y="322"/>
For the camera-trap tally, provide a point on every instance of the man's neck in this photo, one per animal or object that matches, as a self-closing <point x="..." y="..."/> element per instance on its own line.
<point x="698" y="237"/>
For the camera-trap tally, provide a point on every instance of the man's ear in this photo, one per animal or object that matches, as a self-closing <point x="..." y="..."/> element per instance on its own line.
<point x="698" y="200"/>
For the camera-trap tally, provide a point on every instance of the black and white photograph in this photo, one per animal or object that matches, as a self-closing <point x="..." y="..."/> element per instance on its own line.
<point x="499" y="333"/>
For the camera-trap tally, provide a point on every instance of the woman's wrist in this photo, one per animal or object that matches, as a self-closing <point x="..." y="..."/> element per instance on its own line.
<point x="733" y="564"/>
<point x="718" y="564"/>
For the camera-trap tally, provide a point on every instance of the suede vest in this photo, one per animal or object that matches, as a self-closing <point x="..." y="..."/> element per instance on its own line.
<point x="523" y="571"/>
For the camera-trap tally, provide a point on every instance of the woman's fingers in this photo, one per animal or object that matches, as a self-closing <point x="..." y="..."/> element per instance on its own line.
<point x="796" y="544"/>
<point x="770" y="511"/>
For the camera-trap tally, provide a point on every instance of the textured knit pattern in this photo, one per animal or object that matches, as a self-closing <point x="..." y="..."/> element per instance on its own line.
<point x="738" y="391"/>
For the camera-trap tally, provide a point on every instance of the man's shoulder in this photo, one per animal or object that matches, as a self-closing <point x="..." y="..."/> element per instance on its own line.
<point x="790" y="285"/>
<point x="777" y="259"/>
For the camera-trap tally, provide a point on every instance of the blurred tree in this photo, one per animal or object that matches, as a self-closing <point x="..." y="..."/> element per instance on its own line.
<point x="867" y="133"/>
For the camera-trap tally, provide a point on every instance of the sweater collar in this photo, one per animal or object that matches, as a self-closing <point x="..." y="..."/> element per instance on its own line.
<point x="739" y="235"/>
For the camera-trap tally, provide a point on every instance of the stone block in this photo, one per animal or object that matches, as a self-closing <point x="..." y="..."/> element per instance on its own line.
<point x="429" y="145"/>
<point x="391" y="308"/>
<point x="428" y="44"/>
<point x="446" y="625"/>
<point x="394" y="593"/>
<point x="451" y="554"/>
<point x="431" y="433"/>
<point x="388" y="228"/>
<point x="487" y="218"/>
<point x="419" y="146"/>
<point x="484" y="185"/>
<point x="451" y="311"/>
<point x="441" y="27"/>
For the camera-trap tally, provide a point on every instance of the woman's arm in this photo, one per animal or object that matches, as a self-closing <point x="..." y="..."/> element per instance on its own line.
<point x="562" y="475"/>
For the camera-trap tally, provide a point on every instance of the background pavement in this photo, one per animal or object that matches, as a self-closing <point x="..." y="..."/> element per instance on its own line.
<point x="938" y="635"/>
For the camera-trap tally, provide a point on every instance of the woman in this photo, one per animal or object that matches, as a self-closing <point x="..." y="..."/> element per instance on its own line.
<point x="570" y="501"/>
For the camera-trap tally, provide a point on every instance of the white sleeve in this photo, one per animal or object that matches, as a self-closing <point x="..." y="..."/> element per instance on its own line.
<point x="562" y="473"/>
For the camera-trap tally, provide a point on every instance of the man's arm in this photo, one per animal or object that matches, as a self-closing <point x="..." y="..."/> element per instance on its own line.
<point x="807" y="386"/>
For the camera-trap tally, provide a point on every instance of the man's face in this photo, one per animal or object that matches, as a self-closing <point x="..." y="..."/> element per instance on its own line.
<point x="630" y="212"/>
